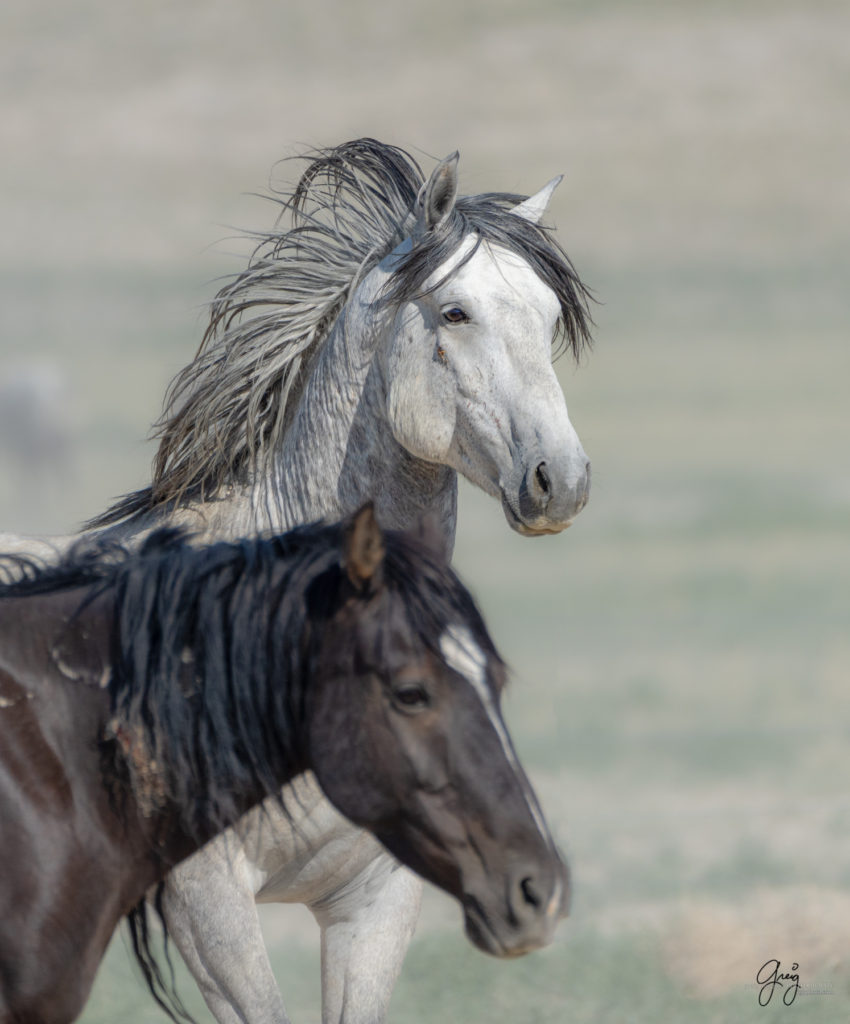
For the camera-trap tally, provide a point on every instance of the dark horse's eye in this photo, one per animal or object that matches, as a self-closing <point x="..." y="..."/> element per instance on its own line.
<point x="455" y="315"/>
<point x="411" y="696"/>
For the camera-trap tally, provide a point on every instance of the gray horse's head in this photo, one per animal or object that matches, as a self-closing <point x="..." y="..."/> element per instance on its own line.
<point x="469" y="376"/>
<point x="386" y="330"/>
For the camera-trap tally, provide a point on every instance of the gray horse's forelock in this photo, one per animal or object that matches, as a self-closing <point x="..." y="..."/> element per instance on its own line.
<point x="489" y="217"/>
<point x="227" y="412"/>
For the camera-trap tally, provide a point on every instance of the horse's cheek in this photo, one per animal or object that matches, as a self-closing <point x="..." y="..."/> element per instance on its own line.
<point x="421" y="410"/>
<point x="332" y="765"/>
<point x="338" y="746"/>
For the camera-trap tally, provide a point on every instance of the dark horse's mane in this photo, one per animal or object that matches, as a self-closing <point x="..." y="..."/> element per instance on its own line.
<point x="211" y="658"/>
<point x="210" y="651"/>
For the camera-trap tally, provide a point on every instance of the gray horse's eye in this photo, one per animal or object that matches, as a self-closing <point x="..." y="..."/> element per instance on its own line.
<point x="455" y="315"/>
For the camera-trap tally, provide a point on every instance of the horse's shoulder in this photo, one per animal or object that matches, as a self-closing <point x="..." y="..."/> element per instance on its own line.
<point x="57" y="635"/>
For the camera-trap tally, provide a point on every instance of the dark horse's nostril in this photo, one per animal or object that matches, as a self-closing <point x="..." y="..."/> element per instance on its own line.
<point x="529" y="892"/>
<point x="542" y="478"/>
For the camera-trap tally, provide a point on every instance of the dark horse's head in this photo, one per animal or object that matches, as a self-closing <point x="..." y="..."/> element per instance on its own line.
<point x="407" y="739"/>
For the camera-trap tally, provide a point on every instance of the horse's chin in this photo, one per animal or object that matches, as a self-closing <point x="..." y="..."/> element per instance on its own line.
<point x="483" y="936"/>
<point x="543" y="531"/>
<point x="529" y="530"/>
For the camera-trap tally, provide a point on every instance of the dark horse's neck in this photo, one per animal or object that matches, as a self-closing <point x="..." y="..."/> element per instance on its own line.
<point x="147" y="703"/>
<point x="66" y="671"/>
<point x="198" y="657"/>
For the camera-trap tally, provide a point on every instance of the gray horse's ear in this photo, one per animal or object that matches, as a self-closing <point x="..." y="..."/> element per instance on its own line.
<point x="437" y="196"/>
<point x="534" y="207"/>
<point x="430" y="534"/>
<point x="363" y="549"/>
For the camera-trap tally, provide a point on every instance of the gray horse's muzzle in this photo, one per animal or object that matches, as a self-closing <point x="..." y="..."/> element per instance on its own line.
<point x="549" y="496"/>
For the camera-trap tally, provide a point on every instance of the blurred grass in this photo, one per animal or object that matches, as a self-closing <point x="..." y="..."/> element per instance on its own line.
<point x="681" y="654"/>
<point x="583" y="980"/>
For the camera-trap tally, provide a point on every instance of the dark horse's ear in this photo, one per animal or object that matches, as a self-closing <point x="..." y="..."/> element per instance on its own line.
<point x="430" y="533"/>
<point x="437" y="196"/>
<point x="363" y="549"/>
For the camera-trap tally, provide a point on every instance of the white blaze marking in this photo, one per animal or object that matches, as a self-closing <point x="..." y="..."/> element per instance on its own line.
<point x="463" y="654"/>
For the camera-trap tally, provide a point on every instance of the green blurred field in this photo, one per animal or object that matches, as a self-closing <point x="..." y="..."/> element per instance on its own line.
<point x="681" y="655"/>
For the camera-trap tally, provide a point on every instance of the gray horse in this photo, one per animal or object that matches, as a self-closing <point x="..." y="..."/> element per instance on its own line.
<point x="390" y="335"/>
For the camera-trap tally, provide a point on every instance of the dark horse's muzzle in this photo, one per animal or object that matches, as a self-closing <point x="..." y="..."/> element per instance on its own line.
<point x="536" y="897"/>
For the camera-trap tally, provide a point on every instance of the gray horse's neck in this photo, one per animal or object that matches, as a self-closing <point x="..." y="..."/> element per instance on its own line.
<point x="340" y="436"/>
<point x="338" y="453"/>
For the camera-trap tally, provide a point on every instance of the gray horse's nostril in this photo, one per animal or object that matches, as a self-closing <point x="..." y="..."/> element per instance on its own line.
<point x="529" y="892"/>
<point x="535" y="492"/>
<point x="550" y="494"/>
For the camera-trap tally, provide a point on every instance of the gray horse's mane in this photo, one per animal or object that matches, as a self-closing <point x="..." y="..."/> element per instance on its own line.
<point x="227" y="412"/>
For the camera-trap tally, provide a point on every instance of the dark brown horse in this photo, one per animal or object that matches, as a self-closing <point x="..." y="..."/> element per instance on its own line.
<point x="148" y="699"/>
